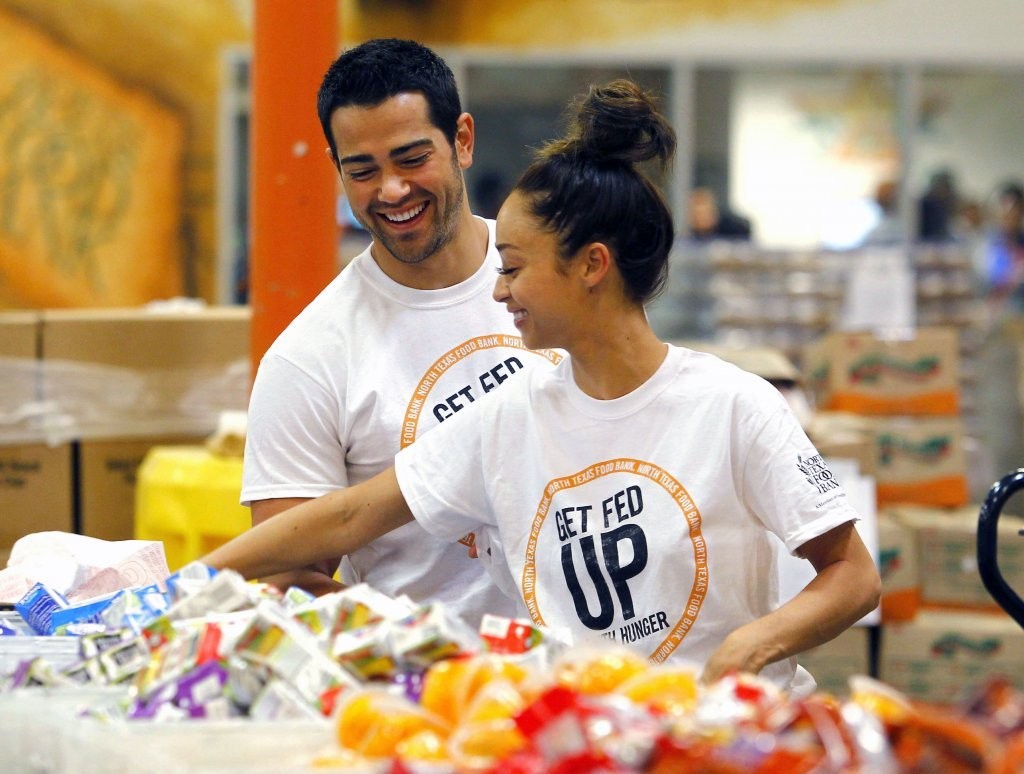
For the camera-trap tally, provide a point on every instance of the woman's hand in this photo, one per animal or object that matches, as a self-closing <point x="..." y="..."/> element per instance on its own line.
<point x="845" y="588"/>
<point x="741" y="651"/>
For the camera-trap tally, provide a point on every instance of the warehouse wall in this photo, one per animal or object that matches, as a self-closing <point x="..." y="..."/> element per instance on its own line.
<point x="159" y="64"/>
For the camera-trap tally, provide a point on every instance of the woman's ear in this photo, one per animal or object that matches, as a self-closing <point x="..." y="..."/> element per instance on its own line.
<point x="595" y="263"/>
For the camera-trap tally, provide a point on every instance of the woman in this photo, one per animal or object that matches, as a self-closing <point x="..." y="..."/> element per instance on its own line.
<point x="633" y="488"/>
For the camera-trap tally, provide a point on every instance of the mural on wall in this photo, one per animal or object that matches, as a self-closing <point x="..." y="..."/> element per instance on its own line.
<point x="855" y="123"/>
<point x="567" y="24"/>
<point x="154" y="72"/>
<point x="808" y="149"/>
<point x="90" y="182"/>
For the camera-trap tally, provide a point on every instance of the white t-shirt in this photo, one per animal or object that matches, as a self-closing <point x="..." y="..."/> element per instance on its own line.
<point x="366" y="369"/>
<point x="643" y="519"/>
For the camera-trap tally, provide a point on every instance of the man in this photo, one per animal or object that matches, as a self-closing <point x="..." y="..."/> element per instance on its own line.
<point x="403" y="338"/>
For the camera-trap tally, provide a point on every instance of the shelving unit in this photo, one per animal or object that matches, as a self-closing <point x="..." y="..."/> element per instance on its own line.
<point x="737" y="294"/>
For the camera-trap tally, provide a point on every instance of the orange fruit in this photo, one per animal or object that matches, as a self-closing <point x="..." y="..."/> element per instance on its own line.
<point x="450" y="686"/>
<point x="667" y="689"/>
<point x="477" y="746"/>
<point x="600" y="672"/>
<point x="374" y="723"/>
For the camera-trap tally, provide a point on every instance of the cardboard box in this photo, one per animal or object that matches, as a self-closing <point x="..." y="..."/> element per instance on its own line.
<point x="834" y="663"/>
<point x="118" y="373"/>
<point x="861" y="451"/>
<point x="947" y="553"/>
<point x="842" y="435"/>
<point x="19" y="335"/>
<point x="862" y="373"/>
<point x="920" y="460"/>
<point x="898" y="567"/>
<point x="941" y="657"/>
<point x="19" y="372"/>
<point x="107" y="476"/>
<point x="35" y="490"/>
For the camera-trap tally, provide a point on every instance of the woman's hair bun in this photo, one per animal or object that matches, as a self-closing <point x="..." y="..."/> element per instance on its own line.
<point x="616" y="122"/>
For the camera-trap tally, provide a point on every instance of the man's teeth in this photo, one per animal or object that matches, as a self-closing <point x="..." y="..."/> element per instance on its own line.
<point x="519" y="315"/>
<point x="399" y="217"/>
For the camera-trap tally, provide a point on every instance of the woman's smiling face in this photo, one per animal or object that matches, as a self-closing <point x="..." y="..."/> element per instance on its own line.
<point x="535" y="283"/>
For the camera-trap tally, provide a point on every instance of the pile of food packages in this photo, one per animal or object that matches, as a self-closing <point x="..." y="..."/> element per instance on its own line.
<point x="410" y="689"/>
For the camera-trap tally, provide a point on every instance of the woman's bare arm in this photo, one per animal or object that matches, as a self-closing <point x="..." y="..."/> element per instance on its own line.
<point x="316" y="578"/>
<point x="846" y="588"/>
<point x="332" y="525"/>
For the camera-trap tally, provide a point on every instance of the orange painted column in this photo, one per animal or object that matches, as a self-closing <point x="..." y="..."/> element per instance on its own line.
<point x="294" y="232"/>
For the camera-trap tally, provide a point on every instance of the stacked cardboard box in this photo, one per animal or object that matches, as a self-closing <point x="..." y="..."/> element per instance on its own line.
<point x="905" y="394"/>
<point x="943" y="633"/>
<point x="895" y="404"/>
<point x="19" y="342"/>
<point x="940" y="657"/>
<point x="898" y="567"/>
<point x="833" y="663"/>
<point x="946" y="542"/>
<point x="128" y="372"/>
<point x="96" y="390"/>
<point x="32" y="472"/>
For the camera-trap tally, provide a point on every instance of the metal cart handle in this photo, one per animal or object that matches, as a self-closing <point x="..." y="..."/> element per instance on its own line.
<point x="988" y="536"/>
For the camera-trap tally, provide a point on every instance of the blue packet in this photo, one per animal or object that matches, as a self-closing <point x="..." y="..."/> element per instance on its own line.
<point x="38" y="606"/>
<point x="87" y="612"/>
<point x="188" y="579"/>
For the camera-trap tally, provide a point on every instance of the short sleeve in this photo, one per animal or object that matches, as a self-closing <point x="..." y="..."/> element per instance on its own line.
<point x="786" y="482"/>
<point x="442" y="477"/>
<point x="293" y="446"/>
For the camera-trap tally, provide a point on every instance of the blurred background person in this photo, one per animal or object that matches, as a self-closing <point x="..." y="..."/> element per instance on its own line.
<point x="1003" y="257"/>
<point x="937" y="208"/>
<point x="889" y="229"/>
<point x="708" y="221"/>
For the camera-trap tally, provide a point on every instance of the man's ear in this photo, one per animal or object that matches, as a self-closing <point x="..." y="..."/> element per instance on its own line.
<point x="465" y="135"/>
<point x="595" y="263"/>
<point x="330" y="157"/>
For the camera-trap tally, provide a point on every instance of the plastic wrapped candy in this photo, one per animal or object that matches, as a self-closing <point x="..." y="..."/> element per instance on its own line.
<point x="923" y="738"/>
<point x="998" y="705"/>
<point x="572" y="731"/>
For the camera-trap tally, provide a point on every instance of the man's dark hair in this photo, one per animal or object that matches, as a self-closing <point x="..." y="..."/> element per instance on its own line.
<point x="377" y="70"/>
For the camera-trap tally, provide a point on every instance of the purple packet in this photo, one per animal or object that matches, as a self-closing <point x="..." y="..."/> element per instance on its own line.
<point x="201" y="686"/>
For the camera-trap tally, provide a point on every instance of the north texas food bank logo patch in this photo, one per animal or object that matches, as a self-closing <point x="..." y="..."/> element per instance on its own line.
<point x="603" y="541"/>
<point x="817" y="473"/>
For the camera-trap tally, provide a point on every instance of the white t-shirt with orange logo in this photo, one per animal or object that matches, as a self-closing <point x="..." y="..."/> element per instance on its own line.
<point x="643" y="519"/>
<point x="366" y="369"/>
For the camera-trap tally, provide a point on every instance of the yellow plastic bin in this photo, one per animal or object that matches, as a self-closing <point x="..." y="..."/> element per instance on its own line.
<point x="187" y="497"/>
